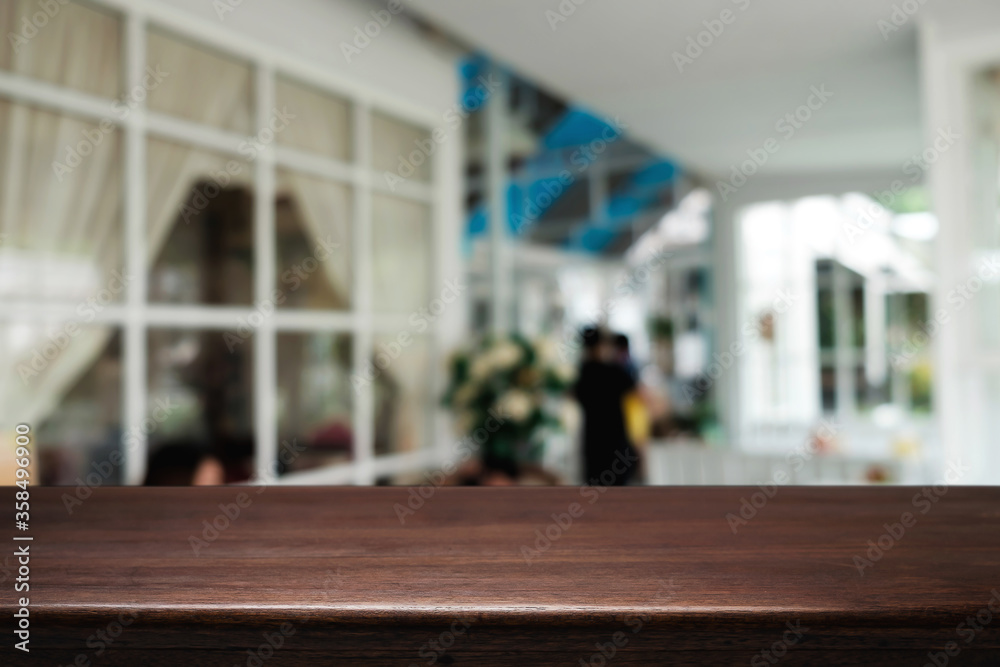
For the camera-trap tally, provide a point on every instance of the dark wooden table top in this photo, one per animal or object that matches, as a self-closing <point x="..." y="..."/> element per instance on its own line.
<point x="483" y="576"/>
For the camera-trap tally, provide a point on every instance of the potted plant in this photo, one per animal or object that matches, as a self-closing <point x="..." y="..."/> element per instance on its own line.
<point x="506" y="391"/>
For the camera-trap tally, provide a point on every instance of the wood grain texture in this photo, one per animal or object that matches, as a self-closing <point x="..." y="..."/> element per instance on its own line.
<point x="652" y="575"/>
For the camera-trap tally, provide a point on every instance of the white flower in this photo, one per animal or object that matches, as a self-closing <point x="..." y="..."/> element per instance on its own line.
<point x="570" y="416"/>
<point x="506" y="355"/>
<point x="565" y="372"/>
<point x="545" y="350"/>
<point x="464" y="422"/>
<point x="465" y="393"/>
<point x="481" y="367"/>
<point x="516" y="404"/>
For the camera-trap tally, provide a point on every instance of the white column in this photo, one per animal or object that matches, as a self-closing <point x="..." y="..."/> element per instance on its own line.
<point x="843" y="317"/>
<point x="726" y="272"/>
<point x="946" y="105"/>
<point x="497" y="153"/>
<point x="876" y="358"/>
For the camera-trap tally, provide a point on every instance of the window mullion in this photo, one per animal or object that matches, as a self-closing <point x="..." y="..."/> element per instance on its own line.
<point x="364" y="413"/>
<point x="134" y="441"/>
<point x="265" y="339"/>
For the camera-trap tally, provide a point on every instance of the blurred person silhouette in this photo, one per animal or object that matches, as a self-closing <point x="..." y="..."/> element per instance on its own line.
<point x="623" y="355"/>
<point x="602" y="384"/>
<point x="635" y="404"/>
<point x="184" y="463"/>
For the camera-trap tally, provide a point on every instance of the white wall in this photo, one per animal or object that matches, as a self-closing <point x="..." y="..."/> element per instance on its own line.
<point x="397" y="60"/>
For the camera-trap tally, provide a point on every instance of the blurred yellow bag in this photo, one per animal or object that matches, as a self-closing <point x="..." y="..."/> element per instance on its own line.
<point x="637" y="421"/>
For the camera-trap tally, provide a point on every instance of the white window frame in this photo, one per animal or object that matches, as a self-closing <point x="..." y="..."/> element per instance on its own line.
<point x="136" y="316"/>
<point x="962" y="362"/>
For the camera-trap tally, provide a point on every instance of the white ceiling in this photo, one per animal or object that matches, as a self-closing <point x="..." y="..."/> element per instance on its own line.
<point x="616" y="57"/>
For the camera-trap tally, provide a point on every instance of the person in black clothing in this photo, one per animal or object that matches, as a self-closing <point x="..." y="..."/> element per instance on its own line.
<point x="609" y="458"/>
<point x="623" y="356"/>
<point x="184" y="463"/>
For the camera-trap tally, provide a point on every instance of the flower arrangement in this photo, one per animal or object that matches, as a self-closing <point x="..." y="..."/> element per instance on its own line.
<point x="517" y="383"/>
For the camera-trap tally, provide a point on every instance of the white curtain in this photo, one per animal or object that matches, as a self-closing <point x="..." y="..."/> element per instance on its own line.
<point x="321" y="123"/>
<point x="174" y="170"/>
<point x="325" y="215"/>
<point x="61" y="234"/>
<point x="396" y="148"/>
<point x="401" y="255"/>
<point x="402" y="395"/>
<point x="77" y="47"/>
<point x="199" y="85"/>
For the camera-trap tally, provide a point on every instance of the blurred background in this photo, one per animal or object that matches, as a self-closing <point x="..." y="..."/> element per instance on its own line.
<point x="357" y="242"/>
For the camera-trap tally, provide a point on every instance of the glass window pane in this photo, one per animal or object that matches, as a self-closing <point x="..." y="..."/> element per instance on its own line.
<point x="199" y="226"/>
<point x="200" y="85"/>
<point x="64" y="381"/>
<point x="828" y="389"/>
<point x="315" y="399"/>
<point x="60" y="208"/>
<point x="985" y="206"/>
<point x="865" y="395"/>
<point x="827" y="324"/>
<point x="400" y="148"/>
<point x="313" y="220"/>
<point x="201" y="400"/>
<point x="987" y="312"/>
<point x="858" y="316"/>
<point x="321" y="124"/>
<point x="403" y="394"/>
<point x="401" y="254"/>
<point x="985" y="154"/>
<point x="76" y="46"/>
<point x="921" y="383"/>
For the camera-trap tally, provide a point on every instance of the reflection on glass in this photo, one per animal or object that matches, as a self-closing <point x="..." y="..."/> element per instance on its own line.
<point x="76" y="46"/>
<point x="200" y="226"/>
<point x="401" y="149"/>
<point x="200" y="85"/>
<point x="401" y="254"/>
<point x="321" y="124"/>
<point x="985" y="153"/>
<point x="201" y="395"/>
<point x="313" y="230"/>
<point x="315" y="399"/>
<point x="403" y="393"/>
<point x="828" y="388"/>
<point x="987" y="314"/>
<point x="827" y="322"/>
<point x="858" y="316"/>
<point x="60" y="218"/>
<point x="865" y="395"/>
<point x="921" y="384"/>
<point x="63" y="379"/>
